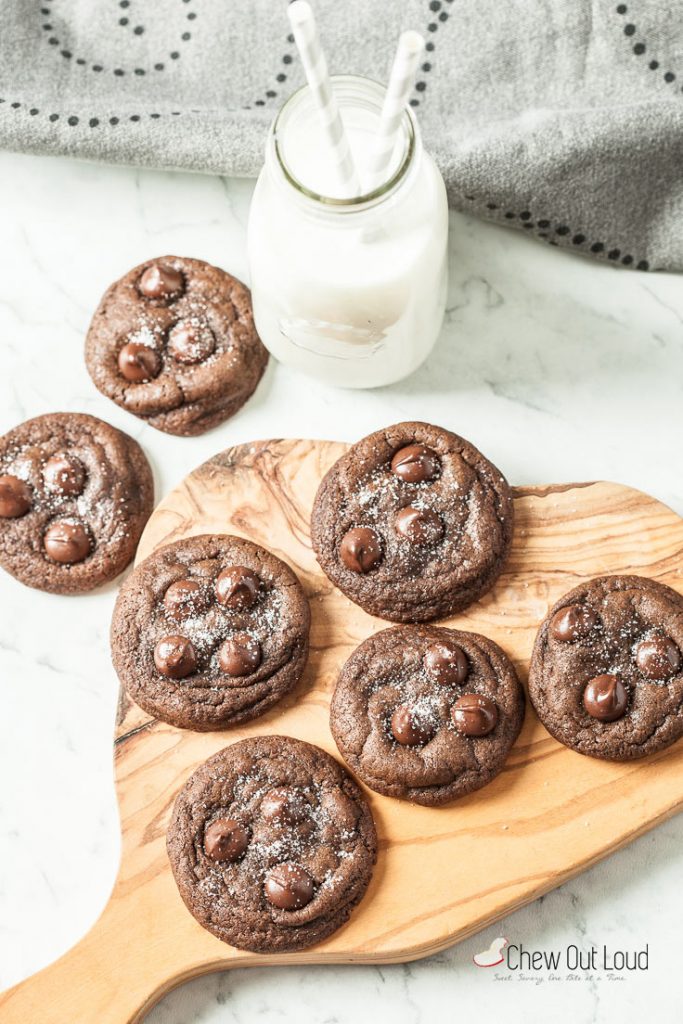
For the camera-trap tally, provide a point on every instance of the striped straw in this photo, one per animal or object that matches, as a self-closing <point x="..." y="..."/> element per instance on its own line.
<point x="313" y="59"/>
<point x="410" y="46"/>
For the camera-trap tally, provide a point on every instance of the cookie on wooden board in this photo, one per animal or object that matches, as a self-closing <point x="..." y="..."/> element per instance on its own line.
<point x="412" y="523"/>
<point x="272" y="844"/>
<point x="75" y="494"/>
<point x="210" y="631"/>
<point x="606" y="674"/>
<point x="174" y="342"/>
<point x="425" y="713"/>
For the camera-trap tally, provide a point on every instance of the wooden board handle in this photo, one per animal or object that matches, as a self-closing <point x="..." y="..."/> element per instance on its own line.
<point x="549" y="814"/>
<point x="114" y="975"/>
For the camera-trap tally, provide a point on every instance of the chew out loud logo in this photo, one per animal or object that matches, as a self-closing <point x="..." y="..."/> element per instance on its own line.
<point x="516" y="957"/>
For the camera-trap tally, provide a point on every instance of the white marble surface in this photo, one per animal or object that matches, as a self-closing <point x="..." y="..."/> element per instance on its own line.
<point x="559" y="369"/>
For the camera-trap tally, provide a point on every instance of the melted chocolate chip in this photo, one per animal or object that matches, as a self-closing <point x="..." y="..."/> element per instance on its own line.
<point x="191" y="343"/>
<point x="15" y="497"/>
<point x="67" y="542"/>
<point x="473" y="714"/>
<point x="139" y="363"/>
<point x="446" y="662"/>
<point x="184" y="599"/>
<point x="225" y="839"/>
<point x="240" y="655"/>
<point x="237" y="588"/>
<point x="575" y="622"/>
<point x="159" y="281"/>
<point x="605" y="698"/>
<point x="411" y="727"/>
<point x="284" y="805"/>
<point x="288" y="887"/>
<point x="419" y="525"/>
<point x="360" y="549"/>
<point x="174" y="657"/>
<point x="64" y="474"/>
<point x="415" y="463"/>
<point x="658" y="657"/>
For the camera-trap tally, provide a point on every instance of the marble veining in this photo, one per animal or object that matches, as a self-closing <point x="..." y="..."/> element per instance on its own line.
<point x="558" y="369"/>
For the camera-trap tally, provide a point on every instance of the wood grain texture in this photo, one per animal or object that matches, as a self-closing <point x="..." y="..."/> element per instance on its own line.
<point x="550" y="814"/>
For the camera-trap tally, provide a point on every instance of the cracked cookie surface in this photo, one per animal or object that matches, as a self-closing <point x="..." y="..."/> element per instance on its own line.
<point x="75" y="494"/>
<point x="272" y="844"/>
<point x="210" y="631"/>
<point x="174" y="342"/>
<point x="426" y="714"/>
<point x="606" y="675"/>
<point x="412" y="523"/>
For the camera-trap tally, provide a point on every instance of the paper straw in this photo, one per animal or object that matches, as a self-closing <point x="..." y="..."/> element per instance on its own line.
<point x="401" y="79"/>
<point x="315" y="66"/>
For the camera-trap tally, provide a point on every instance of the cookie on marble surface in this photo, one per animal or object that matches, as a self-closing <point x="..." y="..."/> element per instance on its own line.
<point x="426" y="714"/>
<point x="272" y="844"/>
<point x="606" y="675"/>
<point x="75" y="494"/>
<point x="412" y="523"/>
<point x="174" y="342"/>
<point x="210" y="631"/>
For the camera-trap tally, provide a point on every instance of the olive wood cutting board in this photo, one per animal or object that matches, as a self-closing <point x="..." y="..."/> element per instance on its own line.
<point x="442" y="873"/>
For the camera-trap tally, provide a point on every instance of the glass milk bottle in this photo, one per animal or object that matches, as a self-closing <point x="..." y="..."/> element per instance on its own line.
<point x="351" y="291"/>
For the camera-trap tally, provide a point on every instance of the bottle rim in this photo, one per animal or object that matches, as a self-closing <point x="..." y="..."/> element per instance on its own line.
<point x="352" y="203"/>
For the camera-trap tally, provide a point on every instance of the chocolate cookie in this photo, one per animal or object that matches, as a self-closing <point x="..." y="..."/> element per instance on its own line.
<point x="210" y="631"/>
<point x="412" y="523"/>
<point x="272" y="844"/>
<point x="606" y="675"/>
<point x="426" y="714"/>
<point x="174" y="343"/>
<point x="75" y="494"/>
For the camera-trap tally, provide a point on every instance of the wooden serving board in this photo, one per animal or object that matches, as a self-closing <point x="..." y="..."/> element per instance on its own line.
<point x="550" y="814"/>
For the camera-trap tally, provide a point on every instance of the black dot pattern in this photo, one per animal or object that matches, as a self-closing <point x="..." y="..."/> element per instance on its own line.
<point x="438" y="16"/>
<point x="640" y="47"/>
<point x="94" y="122"/>
<point x="551" y="231"/>
<point x="129" y="23"/>
<point x="287" y="58"/>
<point x="73" y="120"/>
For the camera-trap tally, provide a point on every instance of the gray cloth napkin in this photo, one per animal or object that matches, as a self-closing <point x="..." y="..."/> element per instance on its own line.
<point x="563" y="118"/>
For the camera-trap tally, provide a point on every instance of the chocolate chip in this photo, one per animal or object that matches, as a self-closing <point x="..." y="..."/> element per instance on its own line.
<point x="419" y="525"/>
<point x="64" y="474"/>
<point x="658" y="657"/>
<point x="360" y="549"/>
<point x="138" y="363"/>
<point x="411" y="727"/>
<point x="161" y="282"/>
<point x="190" y="343"/>
<point x="575" y="622"/>
<point x="288" y="887"/>
<point x="174" y="657"/>
<point x="605" y="698"/>
<point x="225" y="839"/>
<point x="237" y="588"/>
<point x="284" y="805"/>
<point x="415" y="463"/>
<point x="67" y="542"/>
<point x="15" y="497"/>
<point x="446" y="662"/>
<point x="185" y="598"/>
<point x="473" y="714"/>
<point x="240" y="655"/>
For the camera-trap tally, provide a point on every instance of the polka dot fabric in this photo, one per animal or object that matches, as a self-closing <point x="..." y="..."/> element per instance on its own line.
<point x="561" y="125"/>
